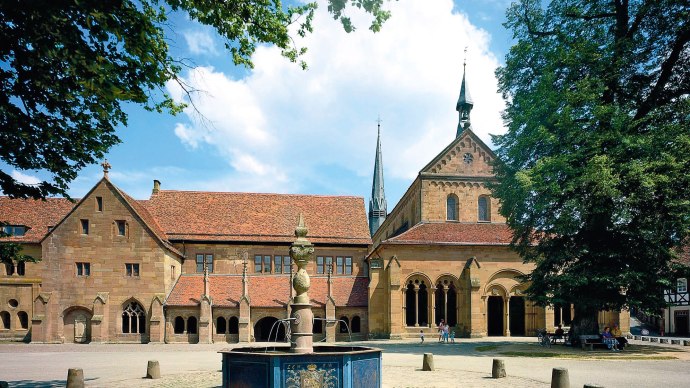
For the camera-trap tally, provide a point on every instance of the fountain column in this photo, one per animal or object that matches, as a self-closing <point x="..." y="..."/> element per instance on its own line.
<point x="301" y="318"/>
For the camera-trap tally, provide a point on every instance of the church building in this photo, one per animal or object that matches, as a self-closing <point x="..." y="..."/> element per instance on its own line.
<point x="443" y="252"/>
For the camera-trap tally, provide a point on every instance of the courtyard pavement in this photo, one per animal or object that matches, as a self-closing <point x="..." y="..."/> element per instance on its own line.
<point x="466" y="364"/>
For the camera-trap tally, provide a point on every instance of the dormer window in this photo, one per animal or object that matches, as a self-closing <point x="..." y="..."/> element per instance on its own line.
<point x="14" y="230"/>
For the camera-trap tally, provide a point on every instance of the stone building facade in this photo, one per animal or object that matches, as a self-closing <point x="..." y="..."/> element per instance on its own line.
<point x="179" y="267"/>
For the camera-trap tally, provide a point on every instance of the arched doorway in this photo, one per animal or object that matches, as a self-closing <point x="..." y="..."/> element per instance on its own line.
<point x="417" y="302"/>
<point x="495" y="316"/>
<point x="262" y="330"/>
<point x="445" y="299"/>
<point x="517" y="315"/>
<point x="77" y="326"/>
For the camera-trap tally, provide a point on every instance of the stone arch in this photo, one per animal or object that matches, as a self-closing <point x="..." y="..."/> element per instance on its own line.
<point x="133" y="317"/>
<point x="268" y="329"/>
<point x="417" y="296"/>
<point x="452" y="207"/>
<point x="445" y="299"/>
<point x="484" y="208"/>
<point x="76" y="324"/>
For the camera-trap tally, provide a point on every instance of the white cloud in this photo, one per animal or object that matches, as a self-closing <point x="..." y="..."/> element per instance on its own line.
<point x="24" y="178"/>
<point x="283" y="122"/>
<point x="200" y="42"/>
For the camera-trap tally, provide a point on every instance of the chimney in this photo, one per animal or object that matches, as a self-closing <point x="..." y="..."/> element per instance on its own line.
<point x="156" y="186"/>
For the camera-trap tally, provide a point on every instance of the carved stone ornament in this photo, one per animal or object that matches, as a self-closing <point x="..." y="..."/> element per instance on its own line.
<point x="475" y="282"/>
<point x="494" y="291"/>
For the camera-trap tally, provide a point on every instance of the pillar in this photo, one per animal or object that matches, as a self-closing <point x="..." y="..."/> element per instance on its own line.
<point x="245" y="327"/>
<point x="416" y="306"/>
<point x="99" y="320"/>
<point x="205" y="320"/>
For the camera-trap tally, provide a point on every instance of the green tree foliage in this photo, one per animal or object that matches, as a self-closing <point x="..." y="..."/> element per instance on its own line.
<point x="67" y="66"/>
<point x="10" y="252"/>
<point x="594" y="169"/>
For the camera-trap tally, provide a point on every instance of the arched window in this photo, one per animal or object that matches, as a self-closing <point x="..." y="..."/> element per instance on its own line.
<point x="233" y="325"/>
<point x="23" y="320"/>
<point x="452" y="207"/>
<point x="5" y="318"/>
<point x="133" y="319"/>
<point x="483" y="210"/>
<point x="191" y="325"/>
<point x="220" y="325"/>
<point x="318" y="325"/>
<point x="343" y="325"/>
<point x="21" y="268"/>
<point x="356" y="327"/>
<point x="179" y="325"/>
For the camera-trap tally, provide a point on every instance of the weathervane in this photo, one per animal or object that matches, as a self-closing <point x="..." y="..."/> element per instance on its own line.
<point x="378" y="121"/>
<point x="106" y="166"/>
<point x="464" y="59"/>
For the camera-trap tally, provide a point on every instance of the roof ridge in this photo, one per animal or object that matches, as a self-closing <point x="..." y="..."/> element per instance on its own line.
<point x="254" y="193"/>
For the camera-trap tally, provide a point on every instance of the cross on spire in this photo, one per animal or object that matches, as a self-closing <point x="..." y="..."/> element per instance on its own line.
<point x="106" y="167"/>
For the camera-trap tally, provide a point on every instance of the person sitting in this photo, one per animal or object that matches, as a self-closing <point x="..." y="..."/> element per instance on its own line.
<point x="618" y="335"/>
<point x="608" y="339"/>
<point x="558" y="334"/>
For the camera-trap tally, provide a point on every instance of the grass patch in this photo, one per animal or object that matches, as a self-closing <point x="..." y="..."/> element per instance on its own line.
<point x="615" y="356"/>
<point x="486" y="348"/>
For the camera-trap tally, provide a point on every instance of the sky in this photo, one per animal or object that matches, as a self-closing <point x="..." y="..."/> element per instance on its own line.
<point x="280" y="129"/>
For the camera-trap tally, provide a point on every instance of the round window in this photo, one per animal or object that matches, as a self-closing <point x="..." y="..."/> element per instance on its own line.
<point x="13" y="303"/>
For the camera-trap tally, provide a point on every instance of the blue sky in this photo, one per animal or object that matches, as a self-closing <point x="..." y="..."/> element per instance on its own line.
<point x="277" y="128"/>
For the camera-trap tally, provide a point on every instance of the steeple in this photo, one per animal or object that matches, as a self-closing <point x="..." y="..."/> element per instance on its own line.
<point x="377" y="203"/>
<point x="465" y="103"/>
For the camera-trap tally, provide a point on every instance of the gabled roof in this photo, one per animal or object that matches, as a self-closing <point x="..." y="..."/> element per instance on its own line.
<point x="454" y="143"/>
<point x="253" y="217"/>
<point x="37" y="215"/>
<point x="266" y="290"/>
<point x="454" y="233"/>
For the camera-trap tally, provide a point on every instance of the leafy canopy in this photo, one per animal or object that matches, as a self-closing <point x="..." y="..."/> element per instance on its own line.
<point x="593" y="174"/>
<point x="67" y="66"/>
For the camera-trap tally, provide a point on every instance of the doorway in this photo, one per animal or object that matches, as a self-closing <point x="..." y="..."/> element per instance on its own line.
<point x="269" y="326"/>
<point x="495" y="316"/>
<point x="681" y="323"/>
<point x="517" y="316"/>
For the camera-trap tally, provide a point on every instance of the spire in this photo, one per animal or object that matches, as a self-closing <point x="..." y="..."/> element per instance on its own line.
<point x="377" y="203"/>
<point x="465" y="103"/>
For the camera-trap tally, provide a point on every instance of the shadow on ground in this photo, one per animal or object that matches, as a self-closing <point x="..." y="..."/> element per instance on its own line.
<point x="40" y="384"/>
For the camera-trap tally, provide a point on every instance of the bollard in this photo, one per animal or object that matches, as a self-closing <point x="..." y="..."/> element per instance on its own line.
<point x="653" y="339"/>
<point x="593" y="386"/>
<point x="428" y="362"/>
<point x="153" y="370"/>
<point x="675" y="342"/>
<point x="75" y="378"/>
<point x="686" y="343"/>
<point x="498" y="369"/>
<point x="559" y="378"/>
<point x="663" y="340"/>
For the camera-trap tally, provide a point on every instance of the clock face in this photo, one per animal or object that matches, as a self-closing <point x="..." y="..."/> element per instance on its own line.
<point x="468" y="158"/>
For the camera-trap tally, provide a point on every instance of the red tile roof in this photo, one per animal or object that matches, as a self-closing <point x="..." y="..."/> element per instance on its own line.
<point x="266" y="290"/>
<point x="214" y="216"/>
<point x="36" y="214"/>
<point x="454" y="233"/>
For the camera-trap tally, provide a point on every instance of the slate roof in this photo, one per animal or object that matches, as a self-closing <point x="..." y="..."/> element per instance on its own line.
<point x="38" y="215"/>
<point x="266" y="290"/>
<point x="254" y="217"/>
<point x="454" y="233"/>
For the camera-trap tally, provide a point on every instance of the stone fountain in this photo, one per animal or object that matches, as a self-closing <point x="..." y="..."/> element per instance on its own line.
<point x="301" y="364"/>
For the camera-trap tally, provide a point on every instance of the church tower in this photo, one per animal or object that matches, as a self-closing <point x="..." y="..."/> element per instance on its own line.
<point x="464" y="105"/>
<point x="377" y="203"/>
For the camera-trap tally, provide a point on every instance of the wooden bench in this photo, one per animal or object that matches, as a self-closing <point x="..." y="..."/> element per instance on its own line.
<point x="589" y="341"/>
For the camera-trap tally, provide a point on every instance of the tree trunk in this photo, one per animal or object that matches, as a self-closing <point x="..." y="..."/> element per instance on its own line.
<point x="584" y="322"/>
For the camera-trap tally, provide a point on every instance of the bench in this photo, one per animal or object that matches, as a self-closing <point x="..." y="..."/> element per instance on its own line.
<point x="589" y="341"/>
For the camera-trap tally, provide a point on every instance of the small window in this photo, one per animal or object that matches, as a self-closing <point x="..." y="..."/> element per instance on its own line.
<point x="257" y="264"/>
<point x="9" y="269"/>
<point x="21" y="268"/>
<point x="318" y="325"/>
<point x="452" y="208"/>
<point x="209" y="263"/>
<point x="221" y="325"/>
<point x="23" y="320"/>
<point x="5" y="318"/>
<point x="233" y="325"/>
<point x="344" y="325"/>
<point x="179" y="325"/>
<point x="267" y="264"/>
<point x="99" y="204"/>
<point x="121" y="227"/>
<point x="84" y="226"/>
<point x="348" y="266"/>
<point x="287" y="264"/>
<point x="319" y="264"/>
<point x="278" y="264"/>
<point x="328" y="265"/>
<point x="191" y="325"/>
<point x="83" y="269"/>
<point x="682" y="285"/>
<point x="204" y="260"/>
<point x="132" y="269"/>
<point x="14" y="230"/>
<point x="339" y="265"/>
<point x="173" y="272"/>
<point x="355" y="325"/>
<point x="483" y="209"/>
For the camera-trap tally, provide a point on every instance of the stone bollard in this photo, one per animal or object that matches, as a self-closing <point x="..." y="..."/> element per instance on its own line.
<point x="75" y="378"/>
<point x="593" y="386"/>
<point x="653" y="339"/>
<point x="559" y="378"/>
<point x="663" y="340"/>
<point x="498" y="369"/>
<point x="428" y="362"/>
<point x="686" y="342"/>
<point x="153" y="370"/>
<point x="675" y="342"/>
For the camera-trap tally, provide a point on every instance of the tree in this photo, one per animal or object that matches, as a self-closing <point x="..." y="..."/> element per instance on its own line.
<point x="67" y="66"/>
<point x="593" y="170"/>
<point x="10" y="252"/>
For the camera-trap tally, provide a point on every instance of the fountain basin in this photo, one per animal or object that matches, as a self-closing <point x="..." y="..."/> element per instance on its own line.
<point x="326" y="367"/>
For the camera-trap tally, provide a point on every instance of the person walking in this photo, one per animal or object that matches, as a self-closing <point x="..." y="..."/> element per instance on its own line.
<point x="421" y="335"/>
<point x="440" y="331"/>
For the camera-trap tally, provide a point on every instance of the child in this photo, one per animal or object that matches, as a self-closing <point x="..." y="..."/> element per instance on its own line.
<point x="452" y="337"/>
<point x="421" y="335"/>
